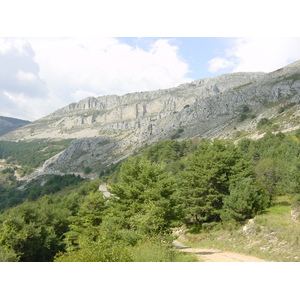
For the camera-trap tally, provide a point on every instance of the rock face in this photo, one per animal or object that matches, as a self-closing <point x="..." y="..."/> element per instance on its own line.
<point x="108" y="128"/>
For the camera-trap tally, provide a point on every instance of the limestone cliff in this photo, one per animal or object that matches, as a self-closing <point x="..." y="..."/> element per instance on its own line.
<point x="108" y="128"/>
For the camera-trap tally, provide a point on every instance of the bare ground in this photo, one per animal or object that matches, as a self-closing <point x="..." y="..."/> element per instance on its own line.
<point x="212" y="255"/>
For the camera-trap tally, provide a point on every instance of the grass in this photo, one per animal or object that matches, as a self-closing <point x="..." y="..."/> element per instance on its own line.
<point x="272" y="236"/>
<point x="151" y="251"/>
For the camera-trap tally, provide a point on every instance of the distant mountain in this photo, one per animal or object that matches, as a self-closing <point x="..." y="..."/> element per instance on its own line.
<point x="8" y="124"/>
<point x="106" y="129"/>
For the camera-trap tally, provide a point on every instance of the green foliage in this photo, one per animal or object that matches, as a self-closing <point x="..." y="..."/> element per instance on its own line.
<point x="243" y="117"/>
<point x="96" y="251"/>
<point x="264" y="122"/>
<point x="276" y="157"/>
<point x="171" y="153"/>
<point x="11" y="196"/>
<point x="269" y="174"/>
<point x="245" y="109"/>
<point x="143" y="197"/>
<point x="201" y="183"/>
<point x="31" y="154"/>
<point x="87" y="170"/>
<point x="207" y="178"/>
<point x="85" y="223"/>
<point x="153" y="250"/>
<point x="8" y="171"/>
<point x="33" y="231"/>
<point x="296" y="203"/>
<point x="244" y="201"/>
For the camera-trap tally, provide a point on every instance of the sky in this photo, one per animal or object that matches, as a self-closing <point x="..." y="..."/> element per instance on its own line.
<point x="53" y="53"/>
<point x="40" y="75"/>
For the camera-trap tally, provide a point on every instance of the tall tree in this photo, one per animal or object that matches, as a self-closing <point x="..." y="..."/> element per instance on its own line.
<point x="143" y="197"/>
<point x="206" y="180"/>
<point x="244" y="201"/>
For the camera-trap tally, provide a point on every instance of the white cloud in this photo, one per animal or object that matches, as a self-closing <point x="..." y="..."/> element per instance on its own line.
<point x="58" y="71"/>
<point x="80" y="94"/>
<point x="106" y="66"/>
<point x="257" y="54"/>
<point x="19" y="46"/>
<point x="19" y="105"/>
<point x="219" y="63"/>
<point x="26" y="77"/>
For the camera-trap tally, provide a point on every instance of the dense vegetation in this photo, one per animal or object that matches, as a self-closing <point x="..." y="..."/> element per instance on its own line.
<point x="31" y="154"/>
<point x="13" y="195"/>
<point x="203" y="184"/>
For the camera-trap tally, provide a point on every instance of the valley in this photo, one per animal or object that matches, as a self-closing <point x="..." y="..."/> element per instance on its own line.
<point x="107" y="129"/>
<point x="110" y="178"/>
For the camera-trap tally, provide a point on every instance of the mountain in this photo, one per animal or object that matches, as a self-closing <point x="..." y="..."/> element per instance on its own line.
<point x="8" y="124"/>
<point x="106" y="129"/>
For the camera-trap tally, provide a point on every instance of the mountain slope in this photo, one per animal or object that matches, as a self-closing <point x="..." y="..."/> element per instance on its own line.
<point x="108" y="128"/>
<point x="8" y="124"/>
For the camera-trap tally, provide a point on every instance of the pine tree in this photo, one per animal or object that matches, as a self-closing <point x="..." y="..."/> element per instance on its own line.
<point x="207" y="178"/>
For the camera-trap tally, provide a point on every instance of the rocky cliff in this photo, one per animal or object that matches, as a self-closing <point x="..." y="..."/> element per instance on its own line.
<point x="108" y="128"/>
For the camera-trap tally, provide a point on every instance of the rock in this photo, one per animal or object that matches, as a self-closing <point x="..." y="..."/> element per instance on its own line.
<point x="108" y="128"/>
<point x="295" y="215"/>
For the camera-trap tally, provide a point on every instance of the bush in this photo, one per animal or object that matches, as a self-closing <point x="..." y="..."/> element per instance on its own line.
<point x="155" y="251"/>
<point x="296" y="202"/>
<point x="243" y="117"/>
<point x="263" y="122"/>
<point x="87" y="170"/>
<point x="244" y="201"/>
<point x="280" y="110"/>
<point x="245" y="109"/>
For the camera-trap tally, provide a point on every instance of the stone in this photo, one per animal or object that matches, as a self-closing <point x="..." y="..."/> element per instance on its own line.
<point x="106" y="129"/>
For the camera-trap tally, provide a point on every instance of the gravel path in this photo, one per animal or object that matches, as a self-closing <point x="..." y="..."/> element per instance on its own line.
<point x="212" y="255"/>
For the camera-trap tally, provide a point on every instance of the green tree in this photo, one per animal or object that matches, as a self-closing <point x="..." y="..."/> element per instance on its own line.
<point x="269" y="174"/>
<point x="33" y="231"/>
<point x="207" y="178"/>
<point x="143" y="197"/>
<point x="244" y="201"/>
<point x="87" y="220"/>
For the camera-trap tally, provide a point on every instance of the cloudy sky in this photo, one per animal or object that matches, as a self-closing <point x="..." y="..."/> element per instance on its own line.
<point x="40" y="75"/>
<point x="57" y="54"/>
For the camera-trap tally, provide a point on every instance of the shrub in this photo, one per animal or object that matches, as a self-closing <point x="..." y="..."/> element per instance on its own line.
<point x="243" y="117"/>
<point x="280" y="110"/>
<point x="87" y="170"/>
<point x="263" y="122"/>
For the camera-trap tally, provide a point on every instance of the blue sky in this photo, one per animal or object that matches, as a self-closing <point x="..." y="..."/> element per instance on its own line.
<point x="39" y="75"/>
<point x="196" y="52"/>
<point x="53" y="54"/>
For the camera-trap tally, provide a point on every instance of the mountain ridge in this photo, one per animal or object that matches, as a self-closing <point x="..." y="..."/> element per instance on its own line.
<point x="8" y="124"/>
<point x="106" y="129"/>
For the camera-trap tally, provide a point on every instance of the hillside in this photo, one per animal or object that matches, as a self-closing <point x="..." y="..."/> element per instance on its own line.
<point x="272" y="236"/>
<point x="214" y="194"/>
<point x="9" y="124"/>
<point x="239" y="192"/>
<point x="107" y="129"/>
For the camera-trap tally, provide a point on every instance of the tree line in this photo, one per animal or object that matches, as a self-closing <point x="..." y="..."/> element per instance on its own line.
<point x="200" y="183"/>
<point x="30" y="154"/>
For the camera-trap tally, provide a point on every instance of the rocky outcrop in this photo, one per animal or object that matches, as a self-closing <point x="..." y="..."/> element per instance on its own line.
<point x="108" y="128"/>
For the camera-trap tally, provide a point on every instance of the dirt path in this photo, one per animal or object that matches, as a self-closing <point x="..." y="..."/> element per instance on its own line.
<point x="103" y="189"/>
<point x="211" y="255"/>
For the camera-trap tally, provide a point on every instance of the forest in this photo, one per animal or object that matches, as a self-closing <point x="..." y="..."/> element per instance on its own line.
<point x="31" y="154"/>
<point x="201" y="184"/>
